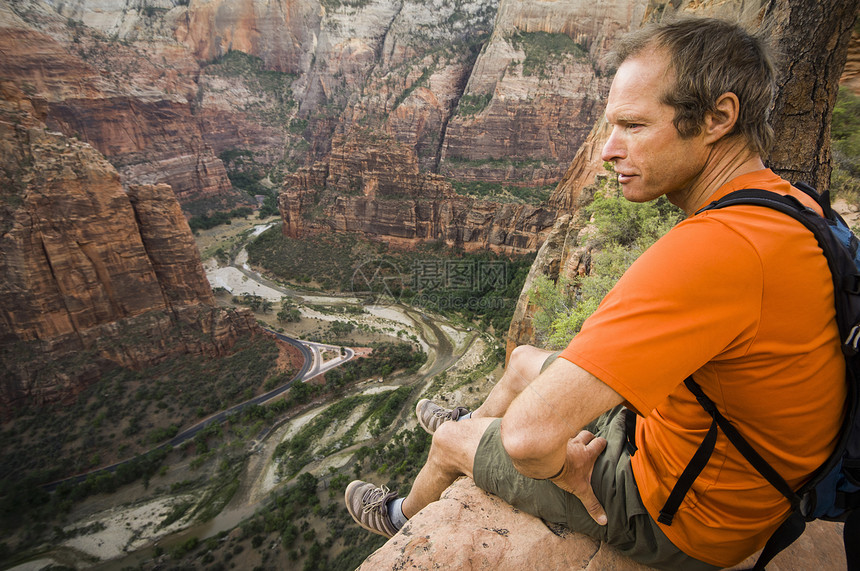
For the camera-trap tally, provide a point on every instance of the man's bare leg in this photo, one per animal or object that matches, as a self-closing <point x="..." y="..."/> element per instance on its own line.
<point x="524" y="366"/>
<point x="452" y="454"/>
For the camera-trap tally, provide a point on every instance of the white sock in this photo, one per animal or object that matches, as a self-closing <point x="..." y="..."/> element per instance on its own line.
<point x="395" y="513"/>
<point x="465" y="416"/>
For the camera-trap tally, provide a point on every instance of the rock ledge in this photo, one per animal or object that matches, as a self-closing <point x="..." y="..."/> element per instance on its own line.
<point x="472" y="529"/>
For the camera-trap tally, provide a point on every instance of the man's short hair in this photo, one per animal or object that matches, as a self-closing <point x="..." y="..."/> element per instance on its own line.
<point x="710" y="57"/>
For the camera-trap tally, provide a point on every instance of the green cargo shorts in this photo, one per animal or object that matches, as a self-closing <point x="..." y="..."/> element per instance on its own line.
<point x="630" y="528"/>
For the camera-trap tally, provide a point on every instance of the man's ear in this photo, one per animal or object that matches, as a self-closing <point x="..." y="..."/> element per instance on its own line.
<point x="721" y="122"/>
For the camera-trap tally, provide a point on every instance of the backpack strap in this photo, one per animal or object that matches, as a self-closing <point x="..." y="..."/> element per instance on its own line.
<point x="823" y="199"/>
<point x="851" y="539"/>
<point x="785" y="535"/>
<point x="840" y="248"/>
<point x="706" y="449"/>
<point x="630" y="429"/>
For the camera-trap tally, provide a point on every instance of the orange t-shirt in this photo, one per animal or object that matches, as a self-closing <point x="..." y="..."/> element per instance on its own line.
<point x="742" y="299"/>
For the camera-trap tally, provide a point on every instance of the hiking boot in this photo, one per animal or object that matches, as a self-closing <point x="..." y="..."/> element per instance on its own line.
<point x="431" y="415"/>
<point x="368" y="506"/>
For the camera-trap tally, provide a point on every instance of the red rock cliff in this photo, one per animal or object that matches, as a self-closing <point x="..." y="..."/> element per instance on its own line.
<point x="85" y="90"/>
<point x="91" y="277"/>
<point x="375" y="187"/>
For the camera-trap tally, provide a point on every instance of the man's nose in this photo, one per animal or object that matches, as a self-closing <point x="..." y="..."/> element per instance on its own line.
<point x="613" y="148"/>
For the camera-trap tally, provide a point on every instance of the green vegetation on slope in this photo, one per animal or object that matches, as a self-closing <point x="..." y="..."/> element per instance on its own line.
<point x="274" y="101"/>
<point x="500" y="192"/>
<point x="845" y="134"/>
<point x="623" y="230"/>
<point x="544" y="49"/>
<point x="124" y="414"/>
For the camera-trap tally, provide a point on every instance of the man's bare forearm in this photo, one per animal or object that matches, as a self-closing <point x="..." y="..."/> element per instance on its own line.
<point x="552" y="410"/>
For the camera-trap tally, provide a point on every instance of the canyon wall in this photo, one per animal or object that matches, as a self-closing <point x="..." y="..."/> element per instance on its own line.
<point x="542" y="82"/>
<point x="376" y="188"/>
<point x="92" y="277"/>
<point x="103" y="92"/>
<point x="491" y="91"/>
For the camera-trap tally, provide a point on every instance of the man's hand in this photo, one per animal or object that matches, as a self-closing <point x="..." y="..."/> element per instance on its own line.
<point x="582" y="452"/>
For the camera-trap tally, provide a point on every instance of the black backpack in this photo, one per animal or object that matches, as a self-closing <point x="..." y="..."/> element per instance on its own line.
<point x="833" y="491"/>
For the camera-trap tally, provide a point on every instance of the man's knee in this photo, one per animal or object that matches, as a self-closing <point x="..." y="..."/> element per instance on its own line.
<point x="455" y="443"/>
<point x="521" y="353"/>
<point x="525" y="365"/>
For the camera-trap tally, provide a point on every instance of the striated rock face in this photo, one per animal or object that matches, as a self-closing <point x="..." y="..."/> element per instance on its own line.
<point x="170" y="245"/>
<point x="851" y="74"/>
<point x="471" y="529"/>
<point x="133" y="104"/>
<point x="279" y="32"/>
<point x="376" y="188"/>
<point x="149" y="142"/>
<point x="148" y="135"/>
<point x="91" y="277"/>
<point x="474" y="96"/>
<point x="543" y="85"/>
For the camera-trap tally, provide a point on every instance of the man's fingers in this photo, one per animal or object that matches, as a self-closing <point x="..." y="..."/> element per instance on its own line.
<point x="596" y="446"/>
<point x="592" y="505"/>
<point x="583" y="450"/>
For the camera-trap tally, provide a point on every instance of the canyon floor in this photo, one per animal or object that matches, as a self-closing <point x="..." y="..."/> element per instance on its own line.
<point x="137" y="526"/>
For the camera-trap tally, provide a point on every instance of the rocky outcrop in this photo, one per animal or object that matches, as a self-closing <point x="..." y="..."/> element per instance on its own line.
<point x="563" y="253"/>
<point x="471" y="529"/>
<point x="586" y="165"/>
<point x="376" y="188"/>
<point x="91" y="277"/>
<point x="170" y="245"/>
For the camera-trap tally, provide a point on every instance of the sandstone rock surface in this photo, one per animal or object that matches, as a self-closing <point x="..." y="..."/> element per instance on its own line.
<point x="134" y="104"/>
<point x="541" y="101"/>
<point x="471" y="529"/>
<point x="91" y="277"/>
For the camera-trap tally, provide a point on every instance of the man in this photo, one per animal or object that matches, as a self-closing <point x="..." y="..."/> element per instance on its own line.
<point x="740" y="298"/>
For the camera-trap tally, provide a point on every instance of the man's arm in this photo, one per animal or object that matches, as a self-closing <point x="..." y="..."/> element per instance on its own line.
<point x="542" y="429"/>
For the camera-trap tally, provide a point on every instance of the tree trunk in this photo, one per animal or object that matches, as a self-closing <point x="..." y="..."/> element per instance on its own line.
<point x="812" y="42"/>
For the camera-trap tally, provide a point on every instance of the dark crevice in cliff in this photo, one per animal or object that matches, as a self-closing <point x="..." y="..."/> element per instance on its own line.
<point x="461" y="89"/>
<point x="378" y="58"/>
<point x="165" y="298"/>
<point x="50" y="264"/>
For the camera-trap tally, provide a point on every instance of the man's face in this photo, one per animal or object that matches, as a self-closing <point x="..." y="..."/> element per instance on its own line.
<point x="649" y="155"/>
